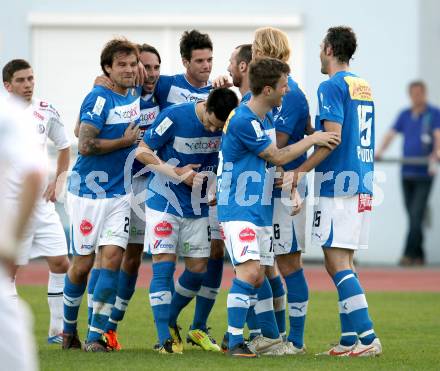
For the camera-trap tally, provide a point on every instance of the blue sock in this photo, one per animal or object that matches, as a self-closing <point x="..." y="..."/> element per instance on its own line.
<point x="251" y="318"/>
<point x="298" y="300"/>
<point x="208" y="293"/>
<point x="126" y="287"/>
<point x="238" y="306"/>
<point x="103" y="301"/>
<point x="348" y="333"/>
<point x="160" y="297"/>
<point x="72" y="299"/>
<point x="279" y="304"/>
<point x="187" y="287"/>
<point x="353" y="303"/>
<point x="265" y="312"/>
<point x="94" y="275"/>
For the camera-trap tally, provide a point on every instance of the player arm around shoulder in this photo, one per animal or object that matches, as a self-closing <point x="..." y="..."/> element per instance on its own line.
<point x="281" y="156"/>
<point x="90" y="145"/>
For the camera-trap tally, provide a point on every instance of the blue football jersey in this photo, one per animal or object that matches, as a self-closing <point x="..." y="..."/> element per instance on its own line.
<point x="176" y="89"/>
<point x="180" y="139"/>
<point x="246" y="98"/>
<point x="244" y="189"/>
<point x="105" y="175"/>
<point x="346" y="99"/>
<point x="149" y="112"/>
<point x="291" y="118"/>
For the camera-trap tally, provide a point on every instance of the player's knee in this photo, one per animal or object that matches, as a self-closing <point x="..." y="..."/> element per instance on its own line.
<point x="196" y="265"/>
<point x="111" y="257"/>
<point x="80" y="269"/>
<point x="131" y="263"/>
<point x="217" y="249"/>
<point x="289" y="263"/>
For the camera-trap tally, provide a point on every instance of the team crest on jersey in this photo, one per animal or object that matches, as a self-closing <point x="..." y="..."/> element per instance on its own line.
<point x="359" y="88"/>
<point x="365" y="202"/>
<point x="86" y="227"/>
<point x="163" y="229"/>
<point x="247" y="235"/>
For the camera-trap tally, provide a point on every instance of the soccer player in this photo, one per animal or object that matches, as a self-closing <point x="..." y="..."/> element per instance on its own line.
<point x="21" y="182"/>
<point x="45" y="235"/>
<point x="343" y="209"/>
<point x="193" y="85"/>
<point x="245" y="207"/>
<point x="98" y="197"/>
<point x="292" y="122"/>
<point x="149" y="110"/>
<point x="238" y="69"/>
<point x="186" y="138"/>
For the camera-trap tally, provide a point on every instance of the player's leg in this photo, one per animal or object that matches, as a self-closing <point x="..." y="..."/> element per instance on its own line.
<point x="162" y="236"/>
<point x="194" y="247"/>
<point x="278" y="297"/>
<point x="85" y="217"/>
<point x="241" y="239"/>
<point x="93" y="278"/>
<point x="289" y="243"/>
<point x="58" y="266"/>
<point x="113" y="239"/>
<point x="212" y="278"/>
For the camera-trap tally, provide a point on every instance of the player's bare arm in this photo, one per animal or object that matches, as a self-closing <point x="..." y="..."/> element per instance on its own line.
<point x="146" y="155"/>
<point x="63" y="161"/>
<point x="284" y="155"/>
<point x="89" y="144"/>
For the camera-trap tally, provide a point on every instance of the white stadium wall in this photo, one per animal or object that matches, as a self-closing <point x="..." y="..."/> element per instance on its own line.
<point x="63" y="40"/>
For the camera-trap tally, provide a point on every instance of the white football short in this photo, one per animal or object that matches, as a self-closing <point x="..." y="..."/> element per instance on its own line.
<point x="289" y="232"/>
<point x="137" y="216"/>
<point x="171" y="234"/>
<point x="44" y="236"/>
<point x="342" y="222"/>
<point x="98" y="222"/>
<point x="246" y="241"/>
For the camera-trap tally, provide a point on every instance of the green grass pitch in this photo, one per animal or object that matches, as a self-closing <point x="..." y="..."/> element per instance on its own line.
<point x="408" y="325"/>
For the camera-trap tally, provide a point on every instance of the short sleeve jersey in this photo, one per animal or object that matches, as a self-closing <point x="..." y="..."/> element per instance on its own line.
<point x="106" y="175"/>
<point x="347" y="99"/>
<point x="244" y="191"/>
<point x="179" y="138"/>
<point x="176" y="89"/>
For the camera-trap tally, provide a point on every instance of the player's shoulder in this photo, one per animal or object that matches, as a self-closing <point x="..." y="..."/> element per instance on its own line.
<point x="46" y="107"/>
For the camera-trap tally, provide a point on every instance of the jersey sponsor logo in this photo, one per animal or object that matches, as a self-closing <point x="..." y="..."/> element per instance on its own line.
<point x="359" y="88"/>
<point x="365" y="202"/>
<point x="38" y="116"/>
<point x="99" y="105"/>
<point x="158" y="243"/>
<point x="127" y="113"/>
<point x="86" y="227"/>
<point x="44" y="104"/>
<point x="257" y="128"/>
<point x="163" y="229"/>
<point x="180" y="95"/>
<point x="148" y="115"/>
<point x="247" y="235"/>
<point x="163" y="126"/>
<point x="201" y="145"/>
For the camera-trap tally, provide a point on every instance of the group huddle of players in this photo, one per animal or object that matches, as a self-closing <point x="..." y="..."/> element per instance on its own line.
<point x="178" y="166"/>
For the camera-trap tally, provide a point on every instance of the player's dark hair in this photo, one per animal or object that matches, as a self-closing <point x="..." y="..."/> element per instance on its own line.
<point x="116" y="46"/>
<point x="417" y="84"/>
<point x="266" y="72"/>
<point x="192" y="40"/>
<point x="221" y="102"/>
<point x="343" y="42"/>
<point x="244" y="53"/>
<point x="149" y="49"/>
<point x="13" y="66"/>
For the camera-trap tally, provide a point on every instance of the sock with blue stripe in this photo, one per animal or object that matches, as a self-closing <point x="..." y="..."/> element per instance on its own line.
<point x="126" y="287"/>
<point x="103" y="301"/>
<point x="348" y="333"/>
<point x="187" y="287"/>
<point x="265" y="312"/>
<point x="238" y="305"/>
<point x="279" y="303"/>
<point x="72" y="296"/>
<point x="251" y="318"/>
<point x="94" y="275"/>
<point x="353" y="303"/>
<point x="207" y="294"/>
<point x="298" y="300"/>
<point x="160" y="297"/>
